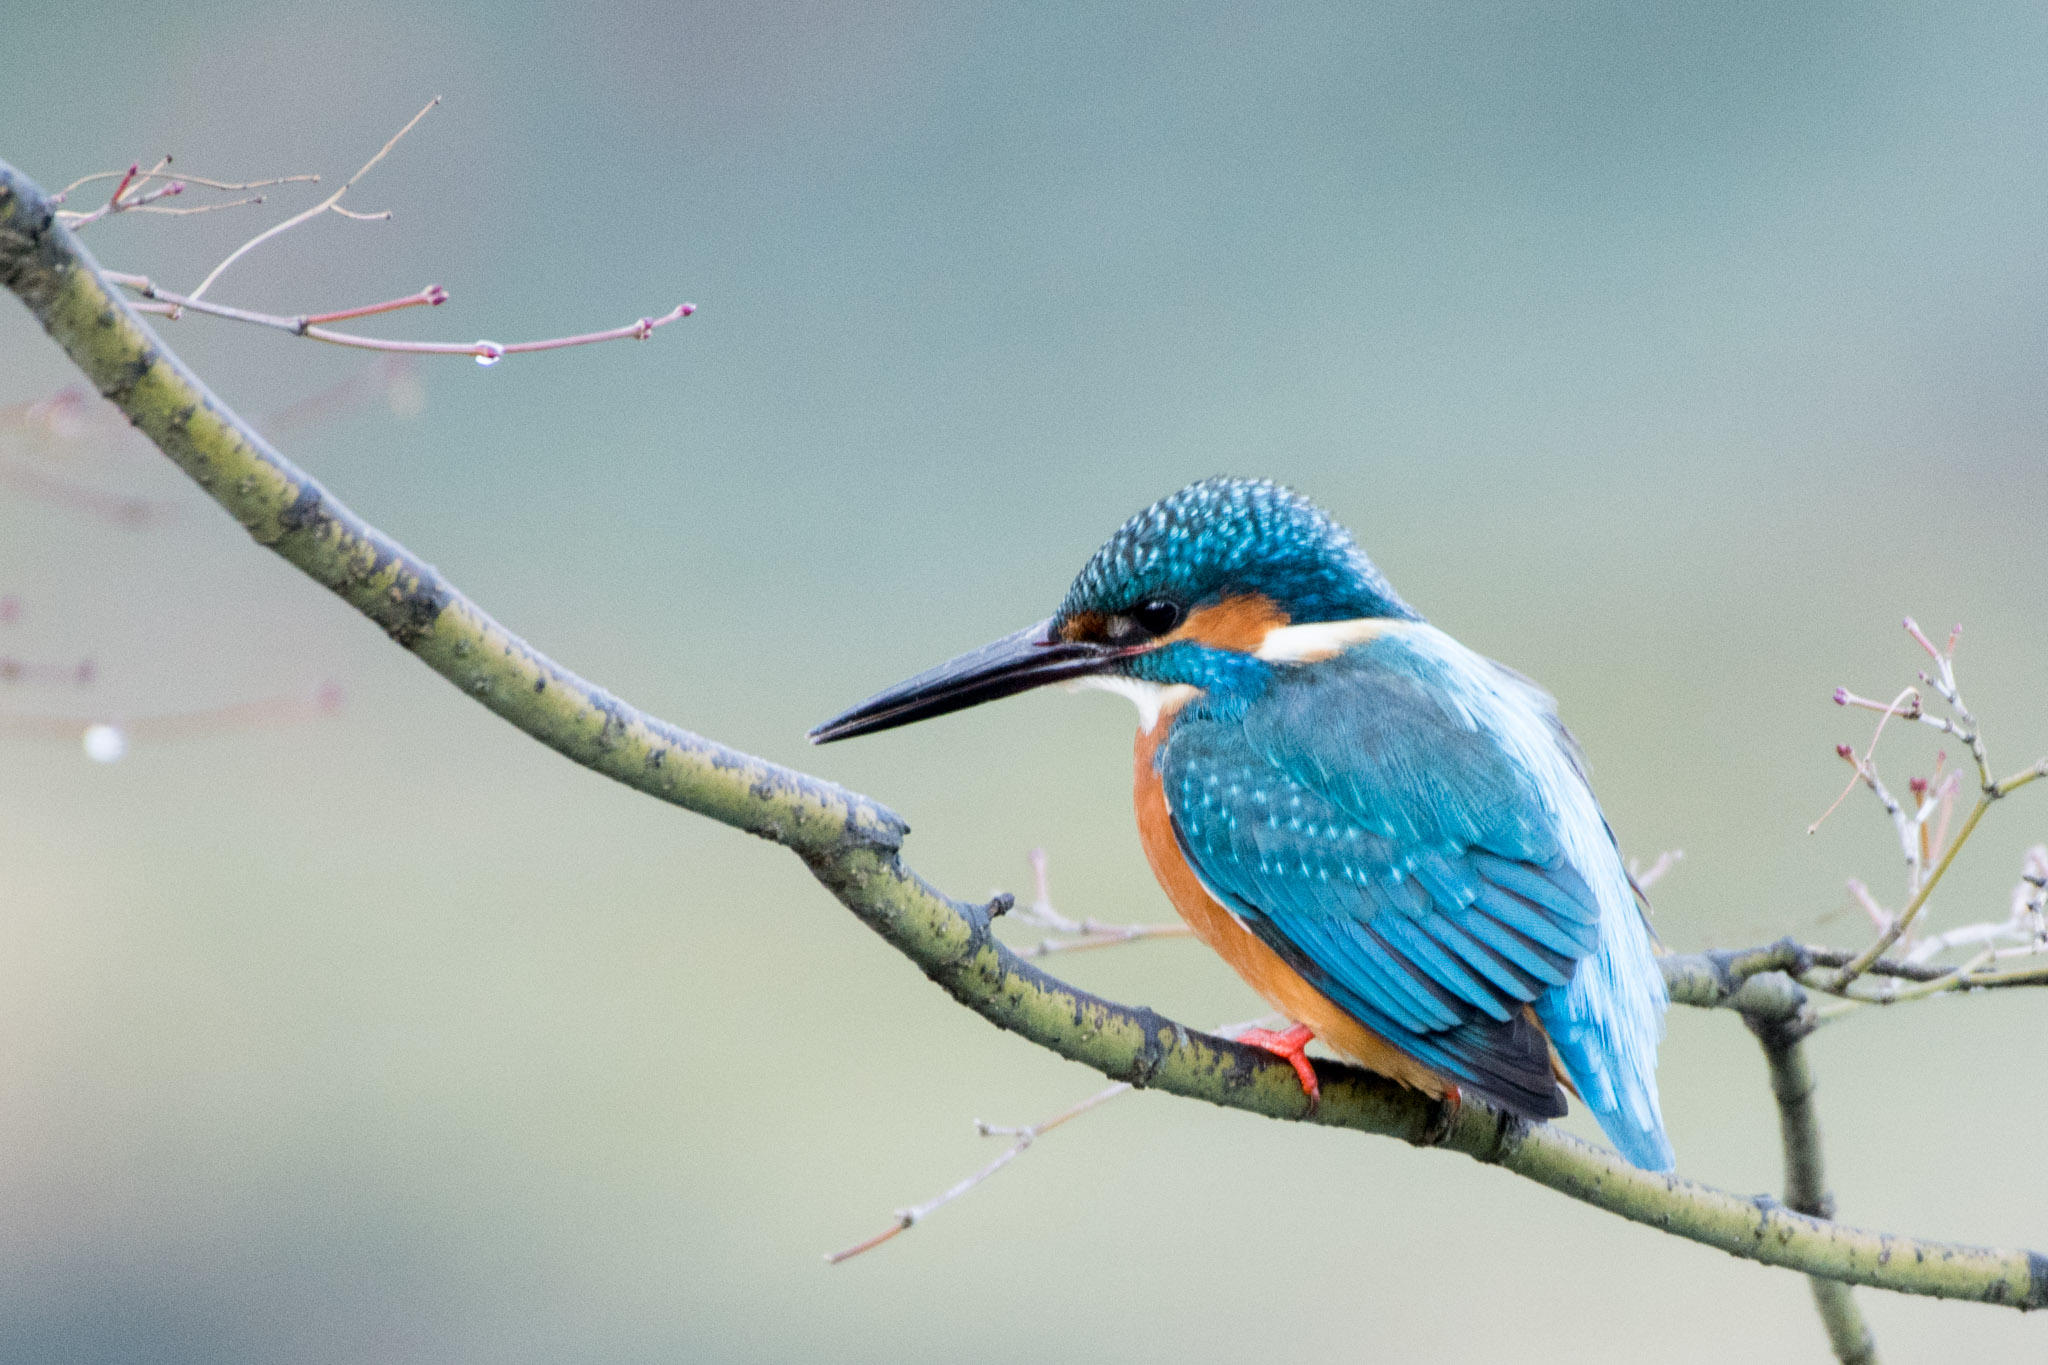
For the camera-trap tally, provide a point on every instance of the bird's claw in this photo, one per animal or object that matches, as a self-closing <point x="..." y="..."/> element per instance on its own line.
<point x="1290" y="1047"/>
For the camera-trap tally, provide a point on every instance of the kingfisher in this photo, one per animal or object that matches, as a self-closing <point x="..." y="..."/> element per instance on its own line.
<point x="1391" y="838"/>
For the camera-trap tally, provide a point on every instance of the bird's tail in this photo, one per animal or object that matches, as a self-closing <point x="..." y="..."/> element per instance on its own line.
<point x="1606" y="1023"/>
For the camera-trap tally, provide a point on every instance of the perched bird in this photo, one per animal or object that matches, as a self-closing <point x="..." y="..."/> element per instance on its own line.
<point x="1388" y="836"/>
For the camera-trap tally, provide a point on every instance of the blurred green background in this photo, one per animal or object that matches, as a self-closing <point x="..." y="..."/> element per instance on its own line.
<point x="1669" y="353"/>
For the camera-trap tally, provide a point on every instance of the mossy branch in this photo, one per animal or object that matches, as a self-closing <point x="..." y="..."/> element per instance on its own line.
<point x="852" y="843"/>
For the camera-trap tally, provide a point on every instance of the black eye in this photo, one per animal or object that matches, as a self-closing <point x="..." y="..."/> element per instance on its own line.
<point x="1157" y="616"/>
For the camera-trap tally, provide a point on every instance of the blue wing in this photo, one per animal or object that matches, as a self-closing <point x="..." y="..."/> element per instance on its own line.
<point x="1401" y="860"/>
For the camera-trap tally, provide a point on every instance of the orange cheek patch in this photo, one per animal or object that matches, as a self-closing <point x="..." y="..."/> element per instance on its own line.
<point x="1236" y="623"/>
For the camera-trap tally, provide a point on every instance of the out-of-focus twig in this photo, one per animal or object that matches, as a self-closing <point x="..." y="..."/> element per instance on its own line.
<point x="108" y="740"/>
<point x="906" y="1219"/>
<point x="33" y="672"/>
<point x="1086" y="933"/>
<point x="391" y="379"/>
<point x="122" y="509"/>
<point x="1659" y="868"/>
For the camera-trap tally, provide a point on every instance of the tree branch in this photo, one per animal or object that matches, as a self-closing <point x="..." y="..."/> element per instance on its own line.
<point x="851" y="843"/>
<point x="1784" y="1045"/>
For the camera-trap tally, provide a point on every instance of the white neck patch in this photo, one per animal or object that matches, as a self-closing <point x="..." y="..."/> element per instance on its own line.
<point x="1152" y="699"/>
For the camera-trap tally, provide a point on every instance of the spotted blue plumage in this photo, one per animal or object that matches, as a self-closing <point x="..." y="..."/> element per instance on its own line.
<point x="1407" y="823"/>
<point x="1233" y="536"/>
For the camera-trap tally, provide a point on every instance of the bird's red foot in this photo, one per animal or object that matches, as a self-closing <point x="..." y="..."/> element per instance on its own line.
<point x="1290" y="1047"/>
<point x="1444" y="1117"/>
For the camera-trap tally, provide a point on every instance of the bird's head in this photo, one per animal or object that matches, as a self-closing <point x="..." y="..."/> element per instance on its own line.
<point x="1195" y="583"/>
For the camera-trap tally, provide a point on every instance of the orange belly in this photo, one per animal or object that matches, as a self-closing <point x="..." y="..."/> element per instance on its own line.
<point x="1282" y="987"/>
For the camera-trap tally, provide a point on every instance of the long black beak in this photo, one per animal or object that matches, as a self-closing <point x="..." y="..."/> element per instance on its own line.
<point x="1016" y="663"/>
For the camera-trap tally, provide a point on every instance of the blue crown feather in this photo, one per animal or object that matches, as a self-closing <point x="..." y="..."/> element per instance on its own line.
<point x="1224" y="537"/>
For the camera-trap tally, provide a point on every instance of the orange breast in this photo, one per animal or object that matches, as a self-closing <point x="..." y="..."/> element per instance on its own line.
<point x="1262" y="969"/>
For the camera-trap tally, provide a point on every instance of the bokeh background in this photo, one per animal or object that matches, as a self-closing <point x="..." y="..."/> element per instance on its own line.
<point x="1670" y="353"/>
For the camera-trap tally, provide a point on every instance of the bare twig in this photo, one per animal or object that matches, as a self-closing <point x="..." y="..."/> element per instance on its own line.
<point x="906" y="1219"/>
<point x="1905" y="826"/>
<point x="1088" y="933"/>
<point x="201" y="180"/>
<point x="120" y="508"/>
<point x="1943" y="681"/>
<point x="1884" y="966"/>
<point x="331" y="202"/>
<point x="1912" y="828"/>
<point x="1864" y="772"/>
<point x="1904" y="920"/>
<point x="1879" y="916"/>
<point x="2022" y="925"/>
<point x="143" y="200"/>
<point x="1659" y="868"/>
<point x="308" y="325"/>
<point x="80" y="674"/>
<point x="108" y="741"/>
<point x="433" y="296"/>
<point x="186" y="210"/>
<point x="116" y="203"/>
<point x="314" y="326"/>
<point x="391" y="378"/>
<point x="63" y="416"/>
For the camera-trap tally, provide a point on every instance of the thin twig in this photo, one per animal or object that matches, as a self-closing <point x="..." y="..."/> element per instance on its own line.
<point x="2023" y="924"/>
<point x="308" y="324"/>
<point x="201" y="180"/>
<point x="1904" y="825"/>
<point x="1884" y="966"/>
<point x="189" y="209"/>
<point x="1911" y="829"/>
<point x="120" y="508"/>
<point x="1944" y="682"/>
<point x="1105" y="936"/>
<point x="433" y="296"/>
<point x="1904" y="920"/>
<point x="107" y="740"/>
<point x="906" y="1219"/>
<point x="1880" y="917"/>
<point x="1659" y="868"/>
<point x="80" y="674"/>
<point x="331" y="202"/>
<point x="121" y="202"/>
<point x="391" y="378"/>
<point x="1088" y="933"/>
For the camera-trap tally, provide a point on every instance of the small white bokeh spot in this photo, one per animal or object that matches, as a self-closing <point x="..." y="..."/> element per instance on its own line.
<point x="105" y="743"/>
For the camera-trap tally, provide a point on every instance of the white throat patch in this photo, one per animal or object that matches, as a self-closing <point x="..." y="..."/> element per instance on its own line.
<point x="1151" y="698"/>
